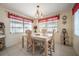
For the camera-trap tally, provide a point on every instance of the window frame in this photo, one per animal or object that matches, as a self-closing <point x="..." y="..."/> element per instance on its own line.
<point x="47" y="26"/>
<point x="29" y="25"/>
<point x="16" y="18"/>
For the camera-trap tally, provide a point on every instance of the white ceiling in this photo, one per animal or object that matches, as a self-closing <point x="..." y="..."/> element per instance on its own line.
<point x="29" y="9"/>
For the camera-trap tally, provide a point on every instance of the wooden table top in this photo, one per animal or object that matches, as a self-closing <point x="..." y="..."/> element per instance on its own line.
<point x="39" y="36"/>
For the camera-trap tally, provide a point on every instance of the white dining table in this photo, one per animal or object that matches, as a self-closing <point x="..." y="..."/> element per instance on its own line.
<point x="39" y="37"/>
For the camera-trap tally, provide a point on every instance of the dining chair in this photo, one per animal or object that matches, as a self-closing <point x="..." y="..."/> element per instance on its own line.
<point x="44" y="31"/>
<point x="29" y="39"/>
<point x="51" y="44"/>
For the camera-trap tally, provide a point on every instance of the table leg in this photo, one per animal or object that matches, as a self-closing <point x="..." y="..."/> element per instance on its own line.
<point x="22" y="41"/>
<point x="33" y="48"/>
<point x="46" y="48"/>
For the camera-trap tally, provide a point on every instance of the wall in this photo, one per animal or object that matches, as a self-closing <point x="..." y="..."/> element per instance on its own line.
<point x="68" y="26"/>
<point x="10" y="39"/>
<point x="76" y="44"/>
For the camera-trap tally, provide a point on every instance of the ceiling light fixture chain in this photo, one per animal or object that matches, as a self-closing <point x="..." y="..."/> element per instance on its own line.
<point x="39" y="13"/>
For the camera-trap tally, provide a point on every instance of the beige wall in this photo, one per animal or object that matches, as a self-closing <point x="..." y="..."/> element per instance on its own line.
<point x="35" y="23"/>
<point x="10" y="39"/>
<point x="74" y="40"/>
<point x="76" y="44"/>
<point x="68" y="26"/>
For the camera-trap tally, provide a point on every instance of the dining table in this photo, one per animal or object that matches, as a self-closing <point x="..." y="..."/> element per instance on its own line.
<point x="39" y="37"/>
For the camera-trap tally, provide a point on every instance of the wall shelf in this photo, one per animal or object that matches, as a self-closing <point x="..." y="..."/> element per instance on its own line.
<point x="2" y="36"/>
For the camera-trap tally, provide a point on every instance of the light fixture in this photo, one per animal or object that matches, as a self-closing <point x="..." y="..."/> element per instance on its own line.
<point x="39" y="13"/>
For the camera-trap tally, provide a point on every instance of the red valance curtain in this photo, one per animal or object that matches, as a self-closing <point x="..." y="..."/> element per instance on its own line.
<point x="75" y="8"/>
<point x="51" y="18"/>
<point x="17" y="17"/>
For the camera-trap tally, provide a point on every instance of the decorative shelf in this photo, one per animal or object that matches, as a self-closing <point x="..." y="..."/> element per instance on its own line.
<point x="2" y="36"/>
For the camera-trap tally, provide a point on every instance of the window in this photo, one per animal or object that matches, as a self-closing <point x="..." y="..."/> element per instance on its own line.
<point x="18" y="26"/>
<point x="27" y="25"/>
<point x="43" y="24"/>
<point x="50" y="25"/>
<point x="76" y="23"/>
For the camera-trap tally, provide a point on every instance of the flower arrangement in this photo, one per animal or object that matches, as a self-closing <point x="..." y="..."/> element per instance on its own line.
<point x="35" y="28"/>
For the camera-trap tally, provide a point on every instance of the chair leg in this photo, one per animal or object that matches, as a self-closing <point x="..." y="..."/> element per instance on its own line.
<point x="50" y="51"/>
<point x="41" y="48"/>
<point x="53" y="46"/>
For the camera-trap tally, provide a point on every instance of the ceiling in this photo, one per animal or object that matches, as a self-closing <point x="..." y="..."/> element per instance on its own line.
<point x="29" y="9"/>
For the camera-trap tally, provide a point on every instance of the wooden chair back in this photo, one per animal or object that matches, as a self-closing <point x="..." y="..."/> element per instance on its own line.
<point x="44" y="31"/>
<point x="29" y="38"/>
<point x="52" y="38"/>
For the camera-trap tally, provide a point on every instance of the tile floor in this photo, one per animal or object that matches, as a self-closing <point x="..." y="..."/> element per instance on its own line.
<point x="17" y="50"/>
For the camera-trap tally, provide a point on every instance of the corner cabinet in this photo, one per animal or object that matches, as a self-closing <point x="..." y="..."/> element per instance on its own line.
<point x="2" y="36"/>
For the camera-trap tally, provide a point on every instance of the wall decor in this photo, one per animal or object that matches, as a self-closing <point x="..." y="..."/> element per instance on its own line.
<point x="64" y="19"/>
<point x="65" y="36"/>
